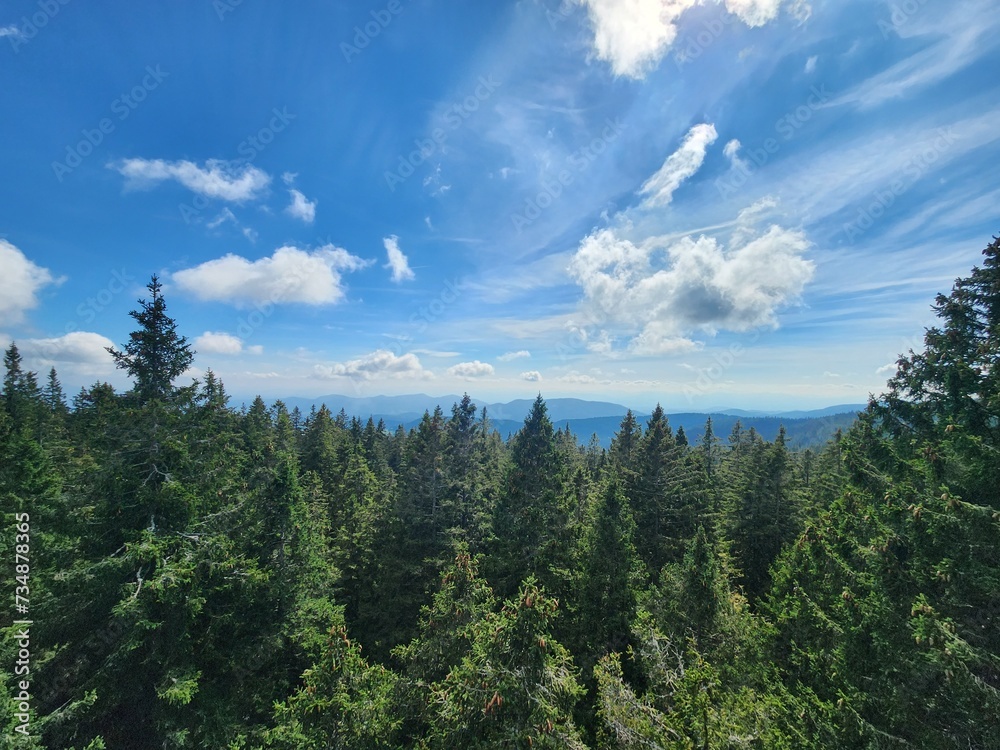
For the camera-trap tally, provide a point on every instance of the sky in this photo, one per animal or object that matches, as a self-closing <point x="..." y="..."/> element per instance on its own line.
<point x="702" y="203"/>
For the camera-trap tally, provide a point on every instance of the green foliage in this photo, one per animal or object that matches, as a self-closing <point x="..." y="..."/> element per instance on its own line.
<point x="210" y="577"/>
<point x="515" y="688"/>
<point x="345" y="702"/>
<point x="155" y="354"/>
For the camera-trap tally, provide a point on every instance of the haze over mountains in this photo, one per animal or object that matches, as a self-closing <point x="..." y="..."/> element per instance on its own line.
<point x="586" y="418"/>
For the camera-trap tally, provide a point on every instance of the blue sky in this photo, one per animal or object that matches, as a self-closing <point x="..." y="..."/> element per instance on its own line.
<point x="736" y="203"/>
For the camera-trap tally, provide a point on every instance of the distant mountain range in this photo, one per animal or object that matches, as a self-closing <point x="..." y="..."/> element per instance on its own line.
<point x="586" y="418"/>
<point x="839" y="409"/>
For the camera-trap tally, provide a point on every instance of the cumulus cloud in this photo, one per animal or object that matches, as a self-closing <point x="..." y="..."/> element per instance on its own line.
<point x="634" y="35"/>
<point x="889" y="369"/>
<point x="216" y="179"/>
<point x="532" y="376"/>
<point x="754" y="12"/>
<point x="474" y="369"/>
<point x="679" y="166"/>
<point x="761" y="12"/>
<point x="381" y="363"/>
<point x="223" y="343"/>
<point x="20" y="282"/>
<point x="80" y="352"/>
<point x="289" y="275"/>
<point x="522" y="354"/>
<point x="398" y="262"/>
<point x="301" y="207"/>
<point x="11" y="31"/>
<point x="660" y="294"/>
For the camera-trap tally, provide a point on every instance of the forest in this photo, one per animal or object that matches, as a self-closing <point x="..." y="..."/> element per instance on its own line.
<point x="206" y="576"/>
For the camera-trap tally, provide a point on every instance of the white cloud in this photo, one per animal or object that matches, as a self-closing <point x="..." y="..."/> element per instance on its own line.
<point x="732" y="152"/>
<point x="381" y="363"/>
<point x="11" y="31"/>
<point x="301" y="207"/>
<point x="223" y="343"/>
<point x="474" y="369"/>
<point x="224" y="216"/>
<point x="289" y="177"/>
<point x="811" y="64"/>
<point x="84" y="352"/>
<point x="634" y="35"/>
<point x="532" y="376"/>
<point x="889" y="369"/>
<point x="289" y="275"/>
<point x="659" y="338"/>
<point x="680" y="165"/>
<point x="579" y="378"/>
<point x="20" y="282"/>
<point x="732" y="149"/>
<point x="660" y="293"/>
<point x="959" y="44"/>
<point x="398" y="262"/>
<point x="754" y="12"/>
<point x="217" y="179"/>
<point x="522" y="354"/>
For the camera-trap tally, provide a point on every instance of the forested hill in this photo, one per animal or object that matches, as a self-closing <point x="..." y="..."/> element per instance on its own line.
<point x="800" y="433"/>
<point x="810" y="429"/>
<point x="209" y="577"/>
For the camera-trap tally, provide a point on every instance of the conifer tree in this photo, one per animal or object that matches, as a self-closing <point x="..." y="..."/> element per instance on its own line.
<point x="156" y="355"/>
<point x="528" y="518"/>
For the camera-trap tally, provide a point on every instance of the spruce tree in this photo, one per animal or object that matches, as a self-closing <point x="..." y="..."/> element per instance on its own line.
<point x="156" y="355"/>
